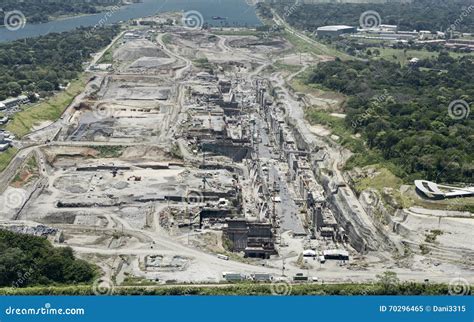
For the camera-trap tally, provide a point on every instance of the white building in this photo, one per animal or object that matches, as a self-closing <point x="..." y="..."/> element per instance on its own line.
<point x="14" y="101"/>
<point x="393" y="28"/>
<point x="437" y="191"/>
<point x="4" y="145"/>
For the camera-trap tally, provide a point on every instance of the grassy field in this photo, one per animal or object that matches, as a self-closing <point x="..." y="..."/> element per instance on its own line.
<point x="202" y="63"/>
<point x="286" y="67"/>
<point x="6" y="157"/>
<point x="384" y="178"/>
<point x="245" y="288"/>
<point x="27" y="173"/>
<point x="107" y="58"/>
<point x="299" y="85"/>
<point x="401" y="56"/>
<point x="48" y="110"/>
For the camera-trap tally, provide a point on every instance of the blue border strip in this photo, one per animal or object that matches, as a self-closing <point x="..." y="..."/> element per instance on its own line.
<point x="238" y="308"/>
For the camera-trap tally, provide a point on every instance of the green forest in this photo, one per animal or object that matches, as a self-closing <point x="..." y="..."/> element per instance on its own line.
<point x="403" y="112"/>
<point x="44" y="63"/>
<point x="433" y="15"/>
<point x="29" y="260"/>
<point x="37" y="11"/>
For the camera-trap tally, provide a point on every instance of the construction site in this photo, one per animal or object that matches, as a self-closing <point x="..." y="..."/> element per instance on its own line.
<point x="187" y="159"/>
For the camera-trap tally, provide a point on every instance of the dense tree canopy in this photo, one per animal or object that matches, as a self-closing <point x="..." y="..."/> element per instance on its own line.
<point x="29" y="260"/>
<point x="404" y="112"/>
<point x="430" y="15"/>
<point x="42" y="64"/>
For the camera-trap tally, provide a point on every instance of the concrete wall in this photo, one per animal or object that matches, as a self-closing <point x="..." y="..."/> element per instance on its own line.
<point x="363" y="236"/>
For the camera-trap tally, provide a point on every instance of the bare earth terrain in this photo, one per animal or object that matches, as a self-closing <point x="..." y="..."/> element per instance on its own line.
<point x="192" y="147"/>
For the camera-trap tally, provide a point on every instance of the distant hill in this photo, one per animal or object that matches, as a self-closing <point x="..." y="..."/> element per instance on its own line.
<point x="341" y="1"/>
<point x="36" y="11"/>
<point x="432" y="15"/>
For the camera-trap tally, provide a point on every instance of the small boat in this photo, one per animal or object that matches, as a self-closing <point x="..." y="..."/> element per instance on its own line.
<point x="218" y="18"/>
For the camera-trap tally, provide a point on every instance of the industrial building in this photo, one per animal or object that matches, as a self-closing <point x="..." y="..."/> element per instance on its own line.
<point x="13" y="102"/>
<point x="335" y="31"/>
<point x="253" y="238"/>
<point x="5" y="141"/>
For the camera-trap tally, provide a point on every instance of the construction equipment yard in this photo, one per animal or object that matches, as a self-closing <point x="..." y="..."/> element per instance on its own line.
<point x="189" y="160"/>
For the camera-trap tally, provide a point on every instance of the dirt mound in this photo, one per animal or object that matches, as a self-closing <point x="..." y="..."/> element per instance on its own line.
<point x="252" y="41"/>
<point x="136" y="49"/>
<point x="54" y="153"/>
<point x="151" y="62"/>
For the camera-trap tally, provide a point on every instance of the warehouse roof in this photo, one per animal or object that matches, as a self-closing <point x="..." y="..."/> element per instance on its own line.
<point x="334" y="28"/>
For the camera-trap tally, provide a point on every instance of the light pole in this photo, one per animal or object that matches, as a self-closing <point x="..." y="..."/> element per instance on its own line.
<point x="283" y="268"/>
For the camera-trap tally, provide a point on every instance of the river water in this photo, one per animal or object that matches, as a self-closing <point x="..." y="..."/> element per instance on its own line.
<point x="237" y="12"/>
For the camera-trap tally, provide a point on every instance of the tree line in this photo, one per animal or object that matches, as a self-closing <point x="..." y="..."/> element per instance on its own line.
<point x="43" y="64"/>
<point x="27" y="260"/>
<point x="37" y="11"/>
